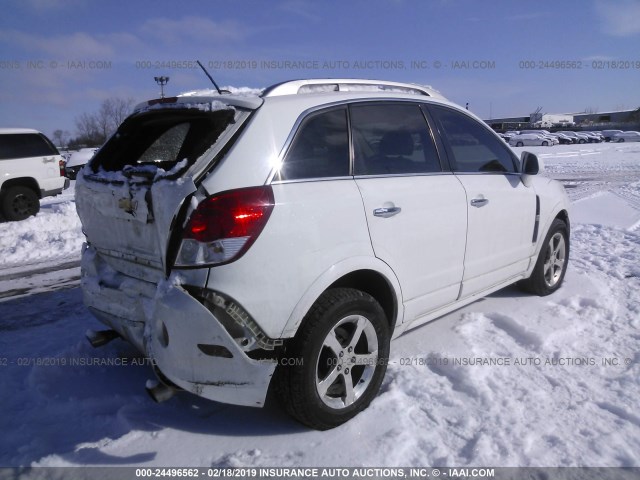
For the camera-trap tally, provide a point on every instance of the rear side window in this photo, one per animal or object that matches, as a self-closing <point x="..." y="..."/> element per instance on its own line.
<point x="392" y="139"/>
<point x="162" y="138"/>
<point x="25" y="145"/>
<point x="473" y="147"/>
<point x="320" y="148"/>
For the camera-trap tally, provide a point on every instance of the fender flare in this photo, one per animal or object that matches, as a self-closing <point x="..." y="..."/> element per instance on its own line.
<point x="333" y="274"/>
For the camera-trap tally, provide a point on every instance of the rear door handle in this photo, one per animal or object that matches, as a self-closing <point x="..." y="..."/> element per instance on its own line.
<point x="479" y="202"/>
<point x="386" y="212"/>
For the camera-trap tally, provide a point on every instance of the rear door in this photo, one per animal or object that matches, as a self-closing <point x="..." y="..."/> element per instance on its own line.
<point x="501" y="209"/>
<point x="139" y="180"/>
<point x="416" y="211"/>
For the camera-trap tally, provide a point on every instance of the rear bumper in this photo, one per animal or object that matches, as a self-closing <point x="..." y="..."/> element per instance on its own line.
<point x="185" y="340"/>
<point x="56" y="191"/>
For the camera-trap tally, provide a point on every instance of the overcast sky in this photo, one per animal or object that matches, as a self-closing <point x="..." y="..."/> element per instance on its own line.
<point x="60" y="58"/>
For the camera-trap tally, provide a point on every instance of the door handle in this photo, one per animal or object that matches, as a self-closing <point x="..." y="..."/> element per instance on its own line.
<point x="386" y="212"/>
<point x="479" y="202"/>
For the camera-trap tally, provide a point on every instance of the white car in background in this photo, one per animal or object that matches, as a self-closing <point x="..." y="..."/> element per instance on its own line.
<point x="30" y="168"/>
<point x="285" y="239"/>
<point x="608" y="134"/>
<point x="530" y="139"/>
<point x="77" y="160"/>
<point x="630" y="136"/>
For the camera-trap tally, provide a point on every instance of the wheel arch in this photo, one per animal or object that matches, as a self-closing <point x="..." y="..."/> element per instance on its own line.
<point x="376" y="285"/>
<point x="28" y="182"/>
<point x="369" y="275"/>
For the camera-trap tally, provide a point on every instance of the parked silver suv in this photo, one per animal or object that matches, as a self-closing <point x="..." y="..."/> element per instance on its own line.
<point x="284" y="239"/>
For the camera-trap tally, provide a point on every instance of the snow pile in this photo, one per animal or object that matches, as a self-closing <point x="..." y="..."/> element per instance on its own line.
<point x="54" y="234"/>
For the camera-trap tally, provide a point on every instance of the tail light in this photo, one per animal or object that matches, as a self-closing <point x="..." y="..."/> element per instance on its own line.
<point x="61" y="165"/>
<point x="224" y="226"/>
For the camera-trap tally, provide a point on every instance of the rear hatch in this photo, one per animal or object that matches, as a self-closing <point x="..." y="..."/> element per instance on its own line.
<point x="130" y="195"/>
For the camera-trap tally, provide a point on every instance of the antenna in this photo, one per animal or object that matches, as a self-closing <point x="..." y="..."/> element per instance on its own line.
<point x="210" y="77"/>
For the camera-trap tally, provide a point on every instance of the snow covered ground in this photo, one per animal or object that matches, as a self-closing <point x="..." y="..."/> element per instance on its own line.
<point x="511" y="380"/>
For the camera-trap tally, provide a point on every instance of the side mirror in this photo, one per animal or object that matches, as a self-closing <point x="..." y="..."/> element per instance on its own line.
<point x="530" y="163"/>
<point x="530" y="166"/>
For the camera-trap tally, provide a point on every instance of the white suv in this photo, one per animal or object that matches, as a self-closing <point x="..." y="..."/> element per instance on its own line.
<point x="30" y="168"/>
<point x="285" y="238"/>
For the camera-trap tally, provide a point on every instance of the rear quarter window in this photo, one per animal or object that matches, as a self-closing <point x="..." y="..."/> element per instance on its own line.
<point x="25" y="145"/>
<point x="320" y="148"/>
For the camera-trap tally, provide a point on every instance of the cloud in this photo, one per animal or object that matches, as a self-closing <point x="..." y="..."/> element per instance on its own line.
<point x="300" y="8"/>
<point x="190" y="28"/>
<point x="619" y="19"/>
<point x="527" y="16"/>
<point x="47" y="5"/>
<point x="77" y="45"/>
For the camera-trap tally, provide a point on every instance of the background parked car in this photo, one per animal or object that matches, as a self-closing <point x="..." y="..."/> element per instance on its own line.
<point x="528" y="139"/>
<point x="608" y="134"/>
<point x="562" y="139"/>
<point x="593" y="137"/>
<point x="579" y="137"/>
<point x="78" y="160"/>
<point x="30" y="168"/>
<point x="630" y="136"/>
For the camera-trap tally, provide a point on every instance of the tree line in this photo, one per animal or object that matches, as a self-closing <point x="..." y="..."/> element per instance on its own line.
<point x="93" y="129"/>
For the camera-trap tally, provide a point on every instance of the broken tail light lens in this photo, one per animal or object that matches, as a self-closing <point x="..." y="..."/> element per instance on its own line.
<point x="223" y="227"/>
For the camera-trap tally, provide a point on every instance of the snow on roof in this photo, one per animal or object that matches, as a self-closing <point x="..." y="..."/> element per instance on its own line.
<point x="9" y="131"/>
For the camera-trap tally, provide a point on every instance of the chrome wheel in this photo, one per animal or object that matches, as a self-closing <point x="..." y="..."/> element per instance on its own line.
<point x="347" y="361"/>
<point x="554" y="260"/>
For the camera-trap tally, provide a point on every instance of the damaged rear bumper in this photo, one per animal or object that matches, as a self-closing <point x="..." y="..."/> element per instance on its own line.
<point x="188" y="345"/>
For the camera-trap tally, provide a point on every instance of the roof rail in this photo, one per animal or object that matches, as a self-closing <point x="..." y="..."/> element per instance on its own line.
<point x="319" y="85"/>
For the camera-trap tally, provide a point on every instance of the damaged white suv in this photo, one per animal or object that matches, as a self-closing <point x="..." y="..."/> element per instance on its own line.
<point x="244" y="241"/>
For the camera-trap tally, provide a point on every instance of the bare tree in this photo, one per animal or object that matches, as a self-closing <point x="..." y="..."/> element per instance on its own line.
<point x="119" y="109"/>
<point x="88" y="129"/>
<point x="61" y="138"/>
<point x="95" y="128"/>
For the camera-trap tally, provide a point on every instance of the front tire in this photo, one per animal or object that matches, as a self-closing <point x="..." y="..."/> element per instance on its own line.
<point x="519" y="144"/>
<point x="551" y="266"/>
<point x="19" y="203"/>
<point x="336" y="363"/>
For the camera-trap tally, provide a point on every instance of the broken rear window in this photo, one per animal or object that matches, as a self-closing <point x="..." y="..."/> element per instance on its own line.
<point x="162" y="138"/>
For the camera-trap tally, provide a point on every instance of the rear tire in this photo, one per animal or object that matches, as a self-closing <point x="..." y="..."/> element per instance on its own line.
<point x="545" y="144"/>
<point x="519" y="144"/>
<point x="337" y="361"/>
<point x="551" y="266"/>
<point x="19" y="203"/>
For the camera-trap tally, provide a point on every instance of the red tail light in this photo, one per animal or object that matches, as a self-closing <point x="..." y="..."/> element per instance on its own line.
<point x="61" y="165"/>
<point x="223" y="227"/>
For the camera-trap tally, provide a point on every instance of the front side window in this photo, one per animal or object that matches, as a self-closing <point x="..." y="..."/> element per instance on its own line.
<point x="391" y="139"/>
<point x="320" y="148"/>
<point x="473" y="147"/>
